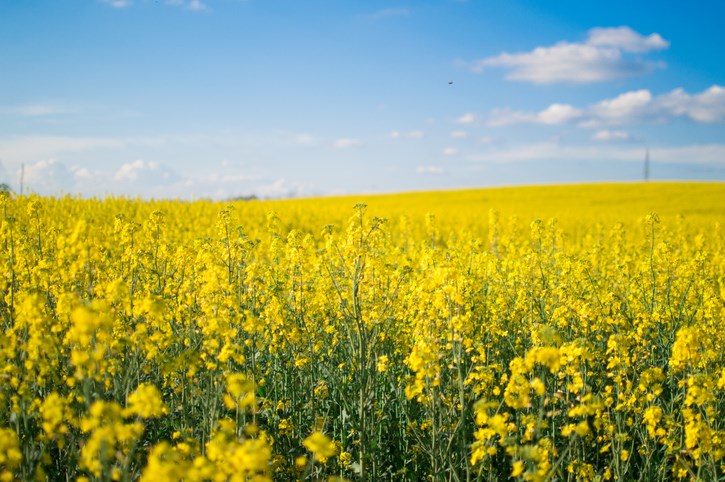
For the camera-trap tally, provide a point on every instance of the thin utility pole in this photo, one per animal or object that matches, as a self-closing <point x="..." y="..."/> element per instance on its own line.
<point x="22" y="175"/>
<point x="646" y="165"/>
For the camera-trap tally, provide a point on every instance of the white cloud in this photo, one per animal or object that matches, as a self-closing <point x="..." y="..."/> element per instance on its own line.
<point x="117" y="3"/>
<point x="505" y="116"/>
<point x="216" y="178"/>
<point x="467" y="118"/>
<point x="148" y="179"/>
<point x="600" y="58"/>
<point x="214" y="185"/>
<point x="713" y="154"/>
<point x="145" y="172"/>
<point x="305" y="139"/>
<point x="627" y="108"/>
<point x="82" y="174"/>
<point x="131" y="170"/>
<point x="707" y="106"/>
<point x="31" y="148"/>
<point x="458" y="134"/>
<point x="629" y="105"/>
<point x="194" y="5"/>
<point x="234" y="178"/>
<point x="450" y="151"/>
<point x="553" y="115"/>
<point x="47" y="176"/>
<point x="626" y="39"/>
<point x="407" y="135"/>
<point x="346" y="143"/>
<point x="641" y="106"/>
<point x="281" y="188"/>
<point x="197" y="5"/>
<point x="431" y="170"/>
<point x="703" y="154"/>
<point x="606" y="135"/>
<point x="558" y="114"/>
<point x="137" y="178"/>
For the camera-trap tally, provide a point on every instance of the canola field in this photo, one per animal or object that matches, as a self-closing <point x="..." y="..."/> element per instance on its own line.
<point x="554" y="333"/>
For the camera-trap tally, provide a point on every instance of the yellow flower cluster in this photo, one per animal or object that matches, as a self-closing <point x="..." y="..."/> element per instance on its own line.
<point x="537" y="334"/>
<point x="10" y="455"/>
<point x="320" y="445"/>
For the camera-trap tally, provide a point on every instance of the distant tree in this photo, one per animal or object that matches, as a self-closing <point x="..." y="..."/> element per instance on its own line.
<point x="250" y="197"/>
<point x="4" y="187"/>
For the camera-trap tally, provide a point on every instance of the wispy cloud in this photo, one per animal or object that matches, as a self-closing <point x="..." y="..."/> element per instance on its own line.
<point x="552" y="115"/>
<point x="32" y="148"/>
<point x="148" y="179"/>
<point x="558" y="114"/>
<point x="142" y="170"/>
<point x="283" y="188"/>
<point x="193" y="5"/>
<point x="216" y="178"/>
<point x="415" y="134"/>
<point x="626" y="39"/>
<point x="83" y="174"/>
<point x="346" y="143"/>
<point x="702" y="154"/>
<point x="707" y="107"/>
<point x="430" y="170"/>
<point x="47" y="176"/>
<point x="450" y="151"/>
<point x="467" y="118"/>
<point x="304" y="139"/>
<point x="197" y="5"/>
<point x="603" y="56"/>
<point x="607" y="135"/>
<point x="38" y="110"/>
<point x="117" y="3"/>
<point x="458" y="134"/>
<point x="625" y="108"/>
<point x="391" y="12"/>
<point x="631" y="107"/>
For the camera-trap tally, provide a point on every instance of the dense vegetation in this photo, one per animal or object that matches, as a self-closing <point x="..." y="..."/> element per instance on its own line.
<point x="549" y="333"/>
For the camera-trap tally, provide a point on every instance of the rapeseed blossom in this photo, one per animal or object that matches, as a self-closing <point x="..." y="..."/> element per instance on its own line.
<point x="518" y="334"/>
<point x="320" y="445"/>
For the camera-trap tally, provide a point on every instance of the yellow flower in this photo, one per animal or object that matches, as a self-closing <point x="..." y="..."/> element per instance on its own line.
<point x="517" y="468"/>
<point x="53" y="410"/>
<point x="286" y="426"/>
<point x="383" y="362"/>
<point x="624" y="455"/>
<point x="345" y="459"/>
<point x="10" y="454"/>
<point x="240" y="392"/>
<point x="301" y="462"/>
<point x="652" y="415"/>
<point x="146" y="402"/>
<point x="321" y="446"/>
<point x="321" y="391"/>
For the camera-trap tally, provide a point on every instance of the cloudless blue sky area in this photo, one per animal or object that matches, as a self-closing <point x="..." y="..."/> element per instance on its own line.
<point x="222" y="98"/>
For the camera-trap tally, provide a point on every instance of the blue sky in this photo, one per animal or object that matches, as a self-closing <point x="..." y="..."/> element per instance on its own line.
<point x="221" y="98"/>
